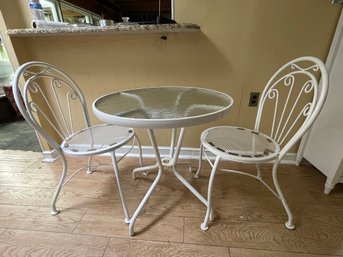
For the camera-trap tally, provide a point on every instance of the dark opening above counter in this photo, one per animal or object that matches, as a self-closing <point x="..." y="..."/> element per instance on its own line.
<point x="94" y="30"/>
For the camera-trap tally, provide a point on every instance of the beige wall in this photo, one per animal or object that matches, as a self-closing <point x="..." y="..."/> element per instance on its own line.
<point x="241" y="44"/>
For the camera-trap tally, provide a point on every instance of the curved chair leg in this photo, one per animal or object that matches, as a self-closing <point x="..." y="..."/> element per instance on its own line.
<point x="121" y="193"/>
<point x="204" y="225"/>
<point x="89" y="165"/>
<point x="258" y="169"/>
<point x="289" y="224"/>
<point x="201" y="149"/>
<point x="54" y="210"/>
<point x="145" y="171"/>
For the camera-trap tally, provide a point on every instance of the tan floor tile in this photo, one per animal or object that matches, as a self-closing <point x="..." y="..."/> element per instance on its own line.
<point x="322" y="238"/>
<point x="99" y="163"/>
<point x="147" y="226"/>
<point x="138" y="248"/>
<point x="186" y="206"/>
<point x="190" y="206"/>
<point x="47" y="168"/>
<point x="11" y="166"/>
<point x="31" y="243"/>
<point x="236" y="252"/>
<point x="89" y="190"/>
<point x="102" y="176"/>
<point x="26" y="196"/>
<point x="330" y="215"/>
<point x="39" y="218"/>
<point x="107" y="189"/>
<point x="244" y="235"/>
<point x="167" y="186"/>
<point x="29" y="180"/>
<point x="20" y="156"/>
<point x="265" y="209"/>
<point x="271" y="210"/>
<point x="228" y="208"/>
<point x="98" y="204"/>
<point x="249" y="220"/>
<point x="234" y="185"/>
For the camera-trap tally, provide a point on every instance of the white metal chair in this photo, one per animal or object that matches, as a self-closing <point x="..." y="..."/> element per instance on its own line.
<point x="50" y="97"/>
<point x="289" y="104"/>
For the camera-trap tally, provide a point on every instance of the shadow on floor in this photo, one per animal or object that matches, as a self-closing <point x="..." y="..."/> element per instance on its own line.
<point x="18" y="135"/>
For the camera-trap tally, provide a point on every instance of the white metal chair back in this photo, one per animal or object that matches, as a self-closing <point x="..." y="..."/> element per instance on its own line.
<point x="292" y="100"/>
<point x="50" y="97"/>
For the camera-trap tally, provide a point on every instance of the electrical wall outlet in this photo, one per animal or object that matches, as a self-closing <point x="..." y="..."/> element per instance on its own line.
<point x="253" y="100"/>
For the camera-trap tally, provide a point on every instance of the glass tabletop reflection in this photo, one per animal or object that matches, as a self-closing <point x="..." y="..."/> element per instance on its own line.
<point x="163" y="107"/>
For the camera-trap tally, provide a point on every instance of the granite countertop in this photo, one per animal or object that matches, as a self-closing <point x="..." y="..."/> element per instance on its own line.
<point x="95" y="30"/>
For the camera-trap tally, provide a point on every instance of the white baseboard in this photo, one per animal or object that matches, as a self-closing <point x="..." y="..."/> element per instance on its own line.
<point x="148" y="152"/>
<point x="50" y="156"/>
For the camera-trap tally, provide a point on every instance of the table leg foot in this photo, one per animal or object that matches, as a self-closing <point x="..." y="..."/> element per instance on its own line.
<point x="145" y="170"/>
<point x="204" y="226"/>
<point x="131" y="228"/>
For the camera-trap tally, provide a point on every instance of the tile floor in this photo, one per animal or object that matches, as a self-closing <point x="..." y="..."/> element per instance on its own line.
<point x="249" y="220"/>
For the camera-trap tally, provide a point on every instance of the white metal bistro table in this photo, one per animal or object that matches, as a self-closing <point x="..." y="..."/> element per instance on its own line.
<point x="158" y="108"/>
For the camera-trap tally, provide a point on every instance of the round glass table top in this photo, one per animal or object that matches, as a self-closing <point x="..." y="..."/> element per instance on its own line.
<point x="162" y="107"/>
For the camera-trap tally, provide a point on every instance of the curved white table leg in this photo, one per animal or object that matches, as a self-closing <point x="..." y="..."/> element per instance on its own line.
<point x="177" y="174"/>
<point x="197" y="173"/>
<point x="172" y="143"/>
<point x="153" y="185"/>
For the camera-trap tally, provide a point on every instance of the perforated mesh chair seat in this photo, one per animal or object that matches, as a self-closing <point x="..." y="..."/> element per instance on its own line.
<point x="242" y="144"/>
<point x="96" y="140"/>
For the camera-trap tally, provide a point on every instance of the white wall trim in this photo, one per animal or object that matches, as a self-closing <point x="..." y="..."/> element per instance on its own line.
<point x="148" y="152"/>
<point x="50" y="156"/>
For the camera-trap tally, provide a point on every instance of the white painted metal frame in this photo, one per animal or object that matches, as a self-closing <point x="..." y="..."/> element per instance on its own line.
<point x="172" y="160"/>
<point x="291" y="118"/>
<point x="50" y="96"/>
